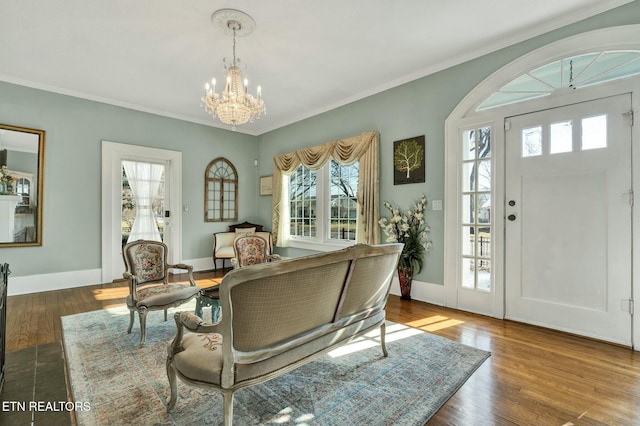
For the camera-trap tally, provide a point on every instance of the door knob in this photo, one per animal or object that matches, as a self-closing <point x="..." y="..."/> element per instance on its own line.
<point x="511" y="217"/>
<point x="512" y="203"/>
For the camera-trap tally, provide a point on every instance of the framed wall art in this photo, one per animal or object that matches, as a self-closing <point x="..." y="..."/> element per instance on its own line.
<point x="409" y="161"/>
<point x="266" y="183"/>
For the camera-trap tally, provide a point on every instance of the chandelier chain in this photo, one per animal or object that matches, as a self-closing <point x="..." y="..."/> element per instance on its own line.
<point x="234" y="46"/>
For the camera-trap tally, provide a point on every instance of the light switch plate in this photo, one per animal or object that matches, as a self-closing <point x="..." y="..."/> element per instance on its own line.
<point x="436" y="204"/>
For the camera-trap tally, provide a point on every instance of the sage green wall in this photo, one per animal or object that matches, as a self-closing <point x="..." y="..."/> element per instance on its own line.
<point x="76" y="127"/>
<point x="25" y="162"/>
<point x="72" y="176"/>
<point x="416" y="108"/>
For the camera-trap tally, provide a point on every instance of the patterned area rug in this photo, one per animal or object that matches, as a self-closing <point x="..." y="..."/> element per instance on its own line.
<point x="353" y="385"/>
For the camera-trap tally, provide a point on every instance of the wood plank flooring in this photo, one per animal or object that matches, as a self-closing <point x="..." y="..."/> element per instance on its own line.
<point x="534" y="376"/>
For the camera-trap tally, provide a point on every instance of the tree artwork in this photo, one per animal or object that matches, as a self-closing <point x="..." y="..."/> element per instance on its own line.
<point x="408" y="160"/>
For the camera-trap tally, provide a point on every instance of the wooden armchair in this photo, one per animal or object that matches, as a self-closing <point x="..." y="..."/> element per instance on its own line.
<point x="251" y="250"/>
<point x="149" y="290"/>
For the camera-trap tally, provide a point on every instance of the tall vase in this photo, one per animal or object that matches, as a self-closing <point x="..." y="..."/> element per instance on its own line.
<point x="405" y="275"/>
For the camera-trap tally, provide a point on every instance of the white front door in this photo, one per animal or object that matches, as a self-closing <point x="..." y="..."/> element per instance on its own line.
<point x="568" y="219"/>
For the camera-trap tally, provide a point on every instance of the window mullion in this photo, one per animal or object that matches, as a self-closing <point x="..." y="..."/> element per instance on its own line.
<point x="321" y="203"/>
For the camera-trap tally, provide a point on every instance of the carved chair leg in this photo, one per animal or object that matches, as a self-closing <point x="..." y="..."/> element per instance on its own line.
<point x="383" y="330"/>
<point x="131" y="320"/>
<point x="142" y="313"/>
<point x="227" y="397"/>
<point x="173" y="385"/>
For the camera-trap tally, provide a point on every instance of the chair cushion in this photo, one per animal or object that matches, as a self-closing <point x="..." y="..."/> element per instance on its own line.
<point x="201" y="359"/>
<point x="225" y="252"/>
<point x="161" y="295"/>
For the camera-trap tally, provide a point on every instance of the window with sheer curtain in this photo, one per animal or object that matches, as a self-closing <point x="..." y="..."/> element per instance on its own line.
<point x="145" y="182"/>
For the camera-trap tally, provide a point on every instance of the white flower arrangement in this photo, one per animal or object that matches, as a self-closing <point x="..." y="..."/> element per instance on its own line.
<point x="7" y="180"/>
<point x="410" y="229"/>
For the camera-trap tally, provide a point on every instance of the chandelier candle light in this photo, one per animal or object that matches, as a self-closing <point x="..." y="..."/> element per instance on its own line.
<point x="233" y="105"/>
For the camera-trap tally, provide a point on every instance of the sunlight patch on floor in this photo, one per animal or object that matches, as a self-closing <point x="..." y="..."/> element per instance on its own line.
<point x="115" y="293"/>
<point x="120" y="309"/>
<point x="284" y="416"/>
<point x="117" y="310"/>
<point x="371" y="339"/>
<point x="400" y="331"/>
<point x="356" y="345"/>
<point x="114" y="306"/>
<point x="434" y="323"/>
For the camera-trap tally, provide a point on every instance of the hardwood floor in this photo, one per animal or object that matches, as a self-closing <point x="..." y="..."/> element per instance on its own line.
<point x="534" y="376"/>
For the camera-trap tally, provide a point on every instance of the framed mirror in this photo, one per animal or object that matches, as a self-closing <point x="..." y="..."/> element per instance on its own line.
<point x="21" y="186"/>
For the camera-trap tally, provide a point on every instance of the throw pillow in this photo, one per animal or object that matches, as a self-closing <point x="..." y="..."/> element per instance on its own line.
<point x="241" y="232"/>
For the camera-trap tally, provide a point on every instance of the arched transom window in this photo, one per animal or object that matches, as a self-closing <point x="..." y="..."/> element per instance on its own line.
<point x="569" y="73"/>
<point x="221" y="191"/>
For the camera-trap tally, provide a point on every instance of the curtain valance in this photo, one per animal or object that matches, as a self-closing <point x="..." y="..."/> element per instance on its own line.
<point x="362" y="148"/>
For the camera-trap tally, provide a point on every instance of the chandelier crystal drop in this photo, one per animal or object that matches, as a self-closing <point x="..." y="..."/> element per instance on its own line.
<point x="234" y="105"/>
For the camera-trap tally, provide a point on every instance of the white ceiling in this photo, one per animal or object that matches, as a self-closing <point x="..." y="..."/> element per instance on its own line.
<point x="309" y="56"/>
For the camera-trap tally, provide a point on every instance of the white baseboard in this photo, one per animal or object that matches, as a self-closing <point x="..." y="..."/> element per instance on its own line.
<point x="71" y="279"/>
<point x="422" y="291"/>
<point x="204" y="263"/>
<point x="55" y="281"/>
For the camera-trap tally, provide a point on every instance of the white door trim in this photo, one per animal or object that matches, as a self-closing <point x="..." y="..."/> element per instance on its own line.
<point x="112" y="155"/>
<point x="464" y="117"/>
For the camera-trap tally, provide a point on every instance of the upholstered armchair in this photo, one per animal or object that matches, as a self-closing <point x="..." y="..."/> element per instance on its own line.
<point x="251" y="250"/>
<point x="149" y="290"/>
<point x="223" y="241"/>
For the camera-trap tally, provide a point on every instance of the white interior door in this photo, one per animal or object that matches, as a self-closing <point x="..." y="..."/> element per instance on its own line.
<point x="568" y="228"/>
<point x="112" y="156"/>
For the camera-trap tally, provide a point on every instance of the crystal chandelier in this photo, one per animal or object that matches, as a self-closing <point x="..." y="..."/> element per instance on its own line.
<point x="234" y="105"/>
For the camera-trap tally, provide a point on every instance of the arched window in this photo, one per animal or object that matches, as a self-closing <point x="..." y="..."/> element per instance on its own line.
<point x="574" y="72"/>
<point x="221" y="191"/>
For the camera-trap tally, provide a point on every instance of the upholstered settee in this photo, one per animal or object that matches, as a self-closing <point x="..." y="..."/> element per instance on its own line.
<point x="223" y="241"/>
<point x="278" y="316"/>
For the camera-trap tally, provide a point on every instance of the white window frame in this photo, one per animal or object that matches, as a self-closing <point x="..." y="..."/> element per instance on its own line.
<point x="322" y="240"/>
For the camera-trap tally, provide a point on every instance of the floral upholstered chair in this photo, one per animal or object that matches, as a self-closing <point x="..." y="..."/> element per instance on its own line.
<point x="251" y="250"/>
<point x="149" y="290"/>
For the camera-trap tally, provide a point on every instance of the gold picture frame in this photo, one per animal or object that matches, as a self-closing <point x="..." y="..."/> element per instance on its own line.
<point x="266" y="185"/>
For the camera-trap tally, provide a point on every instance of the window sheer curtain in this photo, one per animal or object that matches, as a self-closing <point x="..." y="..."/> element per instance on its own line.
<point x="144" y="180"/>
<point x="362" y="148"/>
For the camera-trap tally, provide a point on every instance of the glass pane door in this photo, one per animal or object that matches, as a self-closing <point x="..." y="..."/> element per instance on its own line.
<point x="476" y="209"/>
